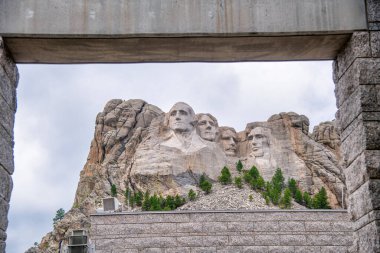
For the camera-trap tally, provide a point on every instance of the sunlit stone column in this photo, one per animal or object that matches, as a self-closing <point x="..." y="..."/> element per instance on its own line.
<point x="8" y="84"/>
<point x="357" y="79"/>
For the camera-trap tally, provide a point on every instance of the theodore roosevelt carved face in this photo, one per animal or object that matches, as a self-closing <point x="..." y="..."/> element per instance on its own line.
<point x="181" y="118"/>
<point x="207" y="126"/>
<point x="259" y="140"/>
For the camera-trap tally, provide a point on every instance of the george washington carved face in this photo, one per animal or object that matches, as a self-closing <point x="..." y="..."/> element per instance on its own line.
<point x="259" y="140"/>
<point x="181" y="118"/>
<point x="207" y="127"/>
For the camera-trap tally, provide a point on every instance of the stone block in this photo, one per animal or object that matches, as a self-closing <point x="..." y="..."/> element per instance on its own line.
<point x="291" y="226"/>
<point x="373" y="10"/>
<point x="308" y="249"/>
<point x="4" y="207"/>
<point x="365" y="167"/>
<point x="270" y="240"/>
<point x="365" y="199"/>
<point x="215" y="241"/>
<point x="243" y="240"/>
<point x="240" y="226"/>
<point x="203" y="250"/>
<point x="7" y="117"/>
<point x="146" y="242"/>
<point x="163" y="228"/>
<point x="255" y="249"/>
<point x="318" y="226"/>
<point x="281" y="249"/>
<point x="357" y="46"/>
<point x="7" y="89"/>
<point x="374" y="26"/>
<point x="375" y="43"/>
<point x="152" y="250"/>
<point x="366" y="219"/>
<point x="369" y="237"/>
<point x="189" y="227"/>
<point x="333" y="249"/>
<point x="8" y="64"/>
<point x="6" y="185"/>
<point x="364" y="71"/>
<point x="229" y="249"/>
<point x="190" y="241"/>
<point x="266" y="226"/>
<point x="178" y="250"/>
<point x="293" y="240"/>
<point x="212" y="227"/>
<point x="346" y="226"/>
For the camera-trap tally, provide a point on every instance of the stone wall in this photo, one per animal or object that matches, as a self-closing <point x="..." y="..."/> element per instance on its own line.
<point x="357" y="79"/>
<point x="225" y="231"/>
<point x="8" y="83"/>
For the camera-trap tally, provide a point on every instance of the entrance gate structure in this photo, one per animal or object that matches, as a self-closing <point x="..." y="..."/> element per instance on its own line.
<point x="119" y="31"/>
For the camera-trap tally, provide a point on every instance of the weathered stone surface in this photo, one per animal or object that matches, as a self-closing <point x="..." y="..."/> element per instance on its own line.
<point x="328" y="134"/>
<point x="375" y="44"/>
<point x="6" y="185"/>
<point x="4" y="207"/>
<point x="358" y="46"/>
<point x="374" y="26"/>
<point x="369" y="237"/>
<point x="365" y="199"/>
<point x="6" y="151"/>
<point x="7" y="63"/>
<point x="7" y="117"/>
<point x="363" y="71"/>
<point x="7" y="89"/>
<point x="373" y="10"/>
<point x="365" y="167"/>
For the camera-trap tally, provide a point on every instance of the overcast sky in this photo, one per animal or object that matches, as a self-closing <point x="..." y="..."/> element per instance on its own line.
<point x="57" y="106"/>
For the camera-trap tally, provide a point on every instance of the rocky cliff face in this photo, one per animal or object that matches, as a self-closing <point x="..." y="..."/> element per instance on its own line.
<point x="138" y="146"/>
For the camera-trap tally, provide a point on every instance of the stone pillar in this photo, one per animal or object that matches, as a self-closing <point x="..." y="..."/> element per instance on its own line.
<point x="8" y="84"/>
<point x="357" y="80"/>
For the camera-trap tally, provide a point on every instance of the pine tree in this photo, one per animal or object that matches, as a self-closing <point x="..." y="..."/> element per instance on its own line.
<point x="307" y="200"/>
<point x="254" y="172"/>
<point x="298" y="196"/>
<point x="286" y="200"/>
<point x="225" y="177"/>
<point x="204" y="184"/>
<point x="320" y="200"/>
<point x="59" y="215"/>
<point x="292" y="185"/>
<point x="260" y="183"/>
<point x="238" y="182"/>
<point x="113" y="190"/>
<point x="239" y="166"/>
<point x="146" y="203"/>
<point x="138" y="198"/>
<point x="278" y="179"/>
<point x="192" y="195"/>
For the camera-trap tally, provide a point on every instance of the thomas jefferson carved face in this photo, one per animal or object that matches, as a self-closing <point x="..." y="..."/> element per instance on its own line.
<point x="228" y="140"/>
<point x="181" y="118"/>
<point x="259" y="140"/>
<point x="207" y="127"/>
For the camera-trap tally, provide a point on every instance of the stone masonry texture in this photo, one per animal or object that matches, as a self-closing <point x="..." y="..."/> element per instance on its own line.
<point x="8" y="85"/>
<point x="252" y="231"/>
<point x="357" y="90"/>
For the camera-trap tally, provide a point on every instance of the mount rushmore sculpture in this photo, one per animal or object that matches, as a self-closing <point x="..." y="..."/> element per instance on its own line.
<point x="138" y="146"/>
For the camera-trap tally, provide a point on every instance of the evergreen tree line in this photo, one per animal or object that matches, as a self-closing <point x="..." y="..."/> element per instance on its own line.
<point x="275" y="191"/>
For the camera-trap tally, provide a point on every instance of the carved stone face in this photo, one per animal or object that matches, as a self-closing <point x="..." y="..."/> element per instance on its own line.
<point x="228" y="140"/>
<point x="259" y="142"/>
<point x="181" y="118"/>
<point x="207" y="128"/>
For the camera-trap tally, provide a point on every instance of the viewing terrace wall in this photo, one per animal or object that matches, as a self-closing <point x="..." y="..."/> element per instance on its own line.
<point x="250" y="231"/>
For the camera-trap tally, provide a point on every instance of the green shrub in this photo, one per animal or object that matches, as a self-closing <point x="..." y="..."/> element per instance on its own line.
<point x="307" y="200"/>
<point x="286" y="200"/>
<point x="247" y="177"/>
<point x="225" y="176"/>
<point x="250" y="197"/>
<point x="292" y="185"/>
<point x="146" y="203"/>
<point x="238" y="182"/>
<point x="239" y="166"/>
<point x="192" y="195"/>
<point x="204" y="184"/>
<point x="113" y="190"/>
<point x="298" y="197"/>
<point x="320" y="200"/>
<point x="254" y="172"/>
<point x="260" y="184"/>
<point x="138" y="198"/>
<point x="278" y="180"/>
